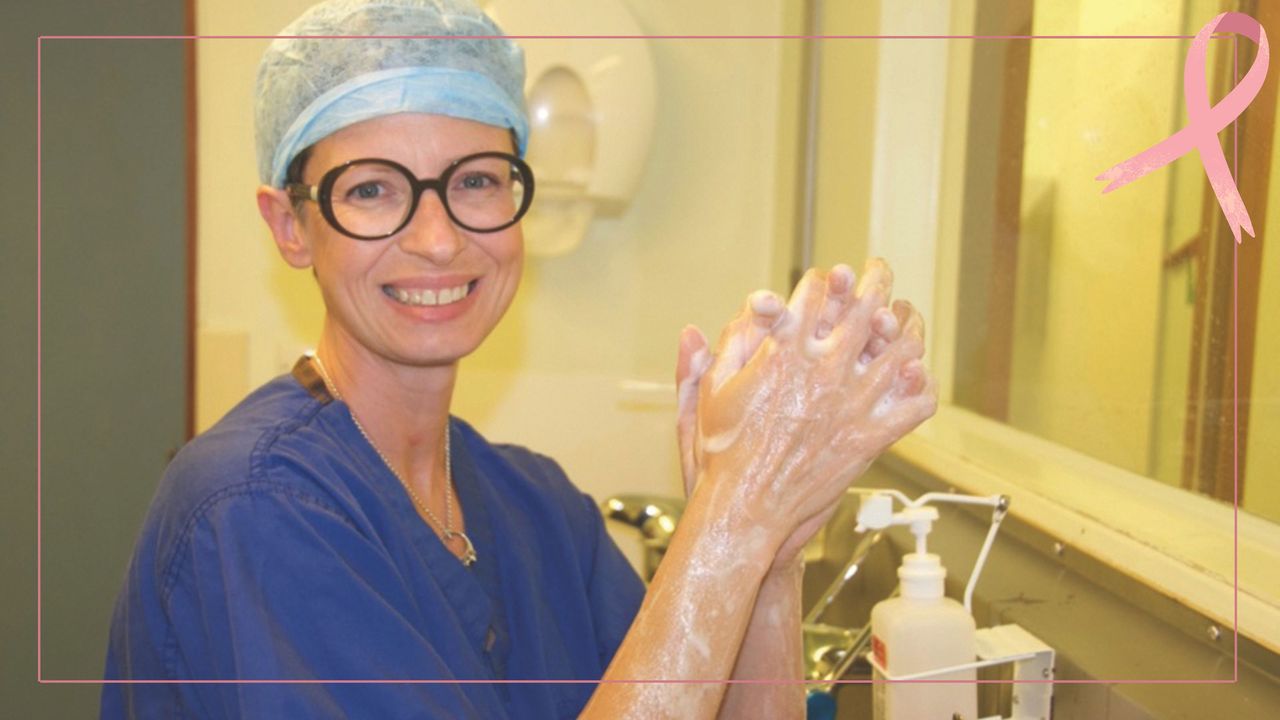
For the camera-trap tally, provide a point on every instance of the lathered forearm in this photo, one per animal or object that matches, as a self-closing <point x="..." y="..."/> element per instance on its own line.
<point x="771" y="651"/>
<point x="694" y="616"/>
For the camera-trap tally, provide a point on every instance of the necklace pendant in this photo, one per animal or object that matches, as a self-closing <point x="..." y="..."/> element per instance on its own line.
<point x="469" y="553"/>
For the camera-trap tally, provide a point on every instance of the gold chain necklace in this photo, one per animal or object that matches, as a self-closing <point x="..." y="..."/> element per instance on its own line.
<point x="469" y="553"/>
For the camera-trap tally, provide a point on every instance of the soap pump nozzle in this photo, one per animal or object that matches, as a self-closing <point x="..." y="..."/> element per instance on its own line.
<point x="920" y="519"/>
<point x="876" y="513"/>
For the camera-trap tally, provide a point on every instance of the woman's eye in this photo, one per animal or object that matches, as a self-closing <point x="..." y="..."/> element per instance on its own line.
<point x="477" y="181"/>
<point x="365" y="191"/>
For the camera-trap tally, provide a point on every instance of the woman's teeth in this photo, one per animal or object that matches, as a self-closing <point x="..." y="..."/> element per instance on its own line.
<point x="443" y="296"/>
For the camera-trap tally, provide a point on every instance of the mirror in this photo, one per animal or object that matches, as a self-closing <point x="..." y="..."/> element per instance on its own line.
<point x="1118" y="325"/>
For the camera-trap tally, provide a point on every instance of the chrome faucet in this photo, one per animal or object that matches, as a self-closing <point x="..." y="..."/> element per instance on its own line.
<point x="656" y="519"/>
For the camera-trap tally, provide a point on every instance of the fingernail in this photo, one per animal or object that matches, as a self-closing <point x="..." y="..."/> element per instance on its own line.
<point x="765" y="302"/>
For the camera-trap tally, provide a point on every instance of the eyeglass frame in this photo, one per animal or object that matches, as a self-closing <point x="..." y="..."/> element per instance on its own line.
<point x="322" y="193"/>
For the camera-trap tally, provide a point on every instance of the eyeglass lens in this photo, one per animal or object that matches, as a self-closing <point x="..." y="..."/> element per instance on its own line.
<point x="375" y="198"/>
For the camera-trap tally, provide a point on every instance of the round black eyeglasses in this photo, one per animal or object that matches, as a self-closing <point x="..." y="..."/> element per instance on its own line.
<point x="372" y="198"/>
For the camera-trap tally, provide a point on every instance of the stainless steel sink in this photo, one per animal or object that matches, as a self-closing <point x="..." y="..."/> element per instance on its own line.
<point x="846" y="573"/>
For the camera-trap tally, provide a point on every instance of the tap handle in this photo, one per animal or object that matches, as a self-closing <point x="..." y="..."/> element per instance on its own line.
<point x="654" y="516"/>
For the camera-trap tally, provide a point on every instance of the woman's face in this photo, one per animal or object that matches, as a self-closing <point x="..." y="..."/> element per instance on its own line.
<point x="369" y="287"/>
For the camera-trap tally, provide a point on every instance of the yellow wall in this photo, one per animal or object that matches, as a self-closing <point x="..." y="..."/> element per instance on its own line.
<point x="1084" y="357"/>
<point x="697" y="238"/>
<point x="1177" y="295"/>
<point x="253" y="313"/>
<point x="1261" y="479"/>
<point x="1104" y="333"/>
<point x="846" y="134"/>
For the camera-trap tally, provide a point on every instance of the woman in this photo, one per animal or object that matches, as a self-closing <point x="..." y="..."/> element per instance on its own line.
<point x="339" y="525"/>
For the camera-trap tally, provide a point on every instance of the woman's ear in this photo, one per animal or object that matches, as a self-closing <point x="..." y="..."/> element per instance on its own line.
<point x="277" y="210"/>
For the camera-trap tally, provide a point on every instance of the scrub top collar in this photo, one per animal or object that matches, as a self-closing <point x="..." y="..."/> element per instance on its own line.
<point x="474" y="593"/>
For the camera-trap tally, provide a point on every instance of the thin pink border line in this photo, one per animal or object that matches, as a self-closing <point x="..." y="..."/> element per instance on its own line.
<point x="39" y="374"/>
<point x="1217" y="36"/>
<point x="39" y="346"/>
<point x="923" y="681"/>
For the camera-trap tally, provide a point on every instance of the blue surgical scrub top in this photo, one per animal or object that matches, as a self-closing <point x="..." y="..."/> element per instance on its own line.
<point x="279" y="546"/>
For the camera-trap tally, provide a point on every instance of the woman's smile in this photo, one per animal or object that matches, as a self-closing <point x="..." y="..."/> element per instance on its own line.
<point x="431" y="301"/>
<point x="428" y="296"/>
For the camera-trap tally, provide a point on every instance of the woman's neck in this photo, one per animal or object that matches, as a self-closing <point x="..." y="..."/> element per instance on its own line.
<point x="403" y="408"/>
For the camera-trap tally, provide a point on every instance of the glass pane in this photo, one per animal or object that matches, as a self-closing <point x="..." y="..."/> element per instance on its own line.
<point x="1104" y="322"/>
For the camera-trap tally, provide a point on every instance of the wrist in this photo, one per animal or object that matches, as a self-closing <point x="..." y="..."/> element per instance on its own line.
<point x="724" y="516"/>
<point x="786" y="570"/>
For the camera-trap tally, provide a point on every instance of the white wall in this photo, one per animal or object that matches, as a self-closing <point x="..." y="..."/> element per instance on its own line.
<point x="697" y="238"/>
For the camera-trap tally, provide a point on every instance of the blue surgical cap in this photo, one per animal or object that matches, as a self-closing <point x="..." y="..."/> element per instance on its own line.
<point x="310" y="87"/>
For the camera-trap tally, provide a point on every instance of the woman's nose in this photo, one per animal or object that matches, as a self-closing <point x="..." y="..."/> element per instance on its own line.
<point x="431" y="233"/>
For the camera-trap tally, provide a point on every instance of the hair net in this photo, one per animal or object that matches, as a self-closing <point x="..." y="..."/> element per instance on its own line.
<point x="310" y="87"/>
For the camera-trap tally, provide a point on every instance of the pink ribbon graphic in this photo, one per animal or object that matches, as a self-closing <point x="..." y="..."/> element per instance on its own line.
<point x="1204" y="122"/>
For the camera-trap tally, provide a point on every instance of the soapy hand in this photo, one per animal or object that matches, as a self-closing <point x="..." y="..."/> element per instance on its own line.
<point x="799" y="398"/>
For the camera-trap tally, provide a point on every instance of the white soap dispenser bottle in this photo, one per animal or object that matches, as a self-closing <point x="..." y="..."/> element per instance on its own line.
<point x="921" y="631"/>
